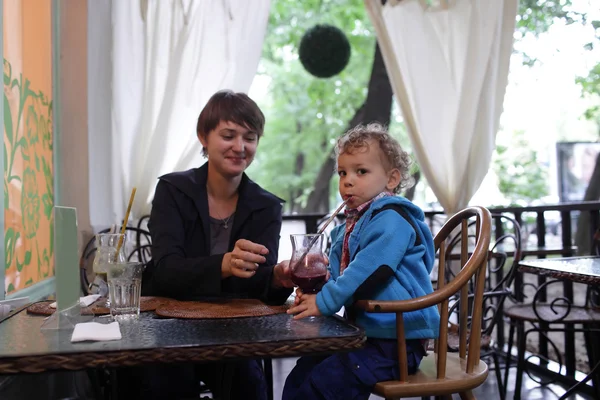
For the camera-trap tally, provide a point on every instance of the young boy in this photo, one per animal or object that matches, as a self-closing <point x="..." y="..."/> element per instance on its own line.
<point x="384" y="251"/>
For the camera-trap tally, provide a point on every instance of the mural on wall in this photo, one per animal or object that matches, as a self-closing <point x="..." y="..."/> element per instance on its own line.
<point x="28" y="141"/>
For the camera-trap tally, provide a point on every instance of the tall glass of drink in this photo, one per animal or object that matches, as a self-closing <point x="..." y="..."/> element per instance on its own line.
<point x="125" y="288"/>
<point x="106" y="254"/>
<point x="308" y="262"/>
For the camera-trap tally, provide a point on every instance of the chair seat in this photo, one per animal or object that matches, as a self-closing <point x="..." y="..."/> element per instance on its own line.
<point x="553" y="313"/>
<point x="426" y="383"/>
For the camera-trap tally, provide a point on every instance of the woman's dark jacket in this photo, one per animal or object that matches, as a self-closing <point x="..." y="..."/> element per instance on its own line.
<point x="182" y="266"/>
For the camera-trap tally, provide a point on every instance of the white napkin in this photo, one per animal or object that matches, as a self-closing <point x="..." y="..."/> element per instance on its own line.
<point x="83" y="301"/>
<point x="96" y="331"/>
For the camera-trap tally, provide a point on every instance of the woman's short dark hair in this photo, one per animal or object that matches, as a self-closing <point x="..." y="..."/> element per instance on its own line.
<point x="229" y="106"/>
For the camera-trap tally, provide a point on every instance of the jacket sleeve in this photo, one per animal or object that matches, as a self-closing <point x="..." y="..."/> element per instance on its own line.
<point x="176" y="275"/>
<point x="383" y="242"/>
<point x="260" y="283"/>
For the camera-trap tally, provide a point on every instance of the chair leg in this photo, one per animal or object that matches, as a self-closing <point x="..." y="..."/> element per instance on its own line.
<point x="522" y="341"/>
<point x="593" y="351"/>
<point x="226" y="380"/>
<point x="268" y="368"/>
<point x="498" y="373"/>
<point x="511" y="334"/>
<point x="114" y="395"/>
<point x="468" y="395"/>
<point x="94" y="376"/>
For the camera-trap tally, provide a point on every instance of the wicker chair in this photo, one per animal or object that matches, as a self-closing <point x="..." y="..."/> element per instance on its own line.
<point x="446" y="373"/>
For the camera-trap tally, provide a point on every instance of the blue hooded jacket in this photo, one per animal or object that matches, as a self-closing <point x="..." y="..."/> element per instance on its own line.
<point x="384" y="239"/>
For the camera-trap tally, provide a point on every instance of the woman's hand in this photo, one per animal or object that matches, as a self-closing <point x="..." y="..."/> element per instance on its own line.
<point x="305" y="305"/>
<point x="282" y="275"/>
<point x="243" y="261"/>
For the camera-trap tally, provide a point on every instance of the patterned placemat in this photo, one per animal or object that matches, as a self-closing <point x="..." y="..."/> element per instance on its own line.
<point x="147" y="303"/>
<point x="222" y="308"/>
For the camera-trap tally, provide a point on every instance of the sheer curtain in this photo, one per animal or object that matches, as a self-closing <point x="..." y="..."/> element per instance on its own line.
<point x="449" y="71"/>
<point x="167" y="58"/>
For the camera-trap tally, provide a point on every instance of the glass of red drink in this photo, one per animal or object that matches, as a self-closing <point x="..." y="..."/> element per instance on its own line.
<point x="308" y="262"/>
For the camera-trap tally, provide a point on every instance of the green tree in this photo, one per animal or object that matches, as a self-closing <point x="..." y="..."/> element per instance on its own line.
<point x="521" y="178"/>
<point x="590" y="86"/>
<point x="306" y="114"/>
<point x="536" y="16"/>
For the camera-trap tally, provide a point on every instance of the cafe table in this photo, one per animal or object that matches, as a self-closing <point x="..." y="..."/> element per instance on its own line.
<point x="25" y="348"/>
<point x="576" y="269"/>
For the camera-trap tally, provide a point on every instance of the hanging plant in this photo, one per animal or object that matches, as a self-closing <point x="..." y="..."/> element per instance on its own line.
<point x="324" y="51"/>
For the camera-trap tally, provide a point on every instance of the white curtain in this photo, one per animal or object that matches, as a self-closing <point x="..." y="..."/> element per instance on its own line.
<point x="449" y="71"/>
<point x="168" y="58"/>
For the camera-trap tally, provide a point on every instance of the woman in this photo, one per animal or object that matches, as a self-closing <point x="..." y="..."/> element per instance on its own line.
<point x="215" y="233"/>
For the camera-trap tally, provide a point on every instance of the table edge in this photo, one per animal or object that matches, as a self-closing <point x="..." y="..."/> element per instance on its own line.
<point x="128" y="358"/>
<point x="560" y="275"/>
<point x="531" y="263"/>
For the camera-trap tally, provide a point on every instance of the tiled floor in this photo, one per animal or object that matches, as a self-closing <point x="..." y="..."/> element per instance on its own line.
<point x="488" y="391"/>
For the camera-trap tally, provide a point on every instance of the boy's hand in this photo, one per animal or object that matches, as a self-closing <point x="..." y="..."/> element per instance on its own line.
<point x="298" y="296"/>
<point x="305" y="305"/>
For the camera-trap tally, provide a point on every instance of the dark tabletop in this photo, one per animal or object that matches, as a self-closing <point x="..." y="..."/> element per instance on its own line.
<point x="577" y="269"/>
<point x="25" y="348"/>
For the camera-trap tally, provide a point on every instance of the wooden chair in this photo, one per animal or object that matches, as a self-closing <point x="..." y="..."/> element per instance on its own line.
<point x="503" y="259"/>
<point x="443" y="373"/>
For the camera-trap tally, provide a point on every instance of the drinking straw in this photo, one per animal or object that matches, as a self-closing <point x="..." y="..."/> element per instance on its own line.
<point x="313" y="241"/>
<point x="124" y="224"/>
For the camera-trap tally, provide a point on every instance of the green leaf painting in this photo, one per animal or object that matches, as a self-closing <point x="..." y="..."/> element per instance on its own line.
<point x="30" y="204"/>
<point x="28" y="182"/>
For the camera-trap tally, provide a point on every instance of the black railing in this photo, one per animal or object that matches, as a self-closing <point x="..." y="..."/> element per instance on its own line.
<point x="533" y="220"/>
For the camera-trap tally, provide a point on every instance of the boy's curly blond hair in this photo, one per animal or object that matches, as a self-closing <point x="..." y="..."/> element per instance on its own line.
<point x="393" y="155"/>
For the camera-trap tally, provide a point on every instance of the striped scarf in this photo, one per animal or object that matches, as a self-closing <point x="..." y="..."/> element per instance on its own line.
<point x="352" y="217"/>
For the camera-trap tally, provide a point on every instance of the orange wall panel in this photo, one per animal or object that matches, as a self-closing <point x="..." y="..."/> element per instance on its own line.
<point x="28" y="143"/>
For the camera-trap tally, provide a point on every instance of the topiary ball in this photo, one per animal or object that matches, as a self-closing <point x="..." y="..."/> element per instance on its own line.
<point x="324" y="51"/>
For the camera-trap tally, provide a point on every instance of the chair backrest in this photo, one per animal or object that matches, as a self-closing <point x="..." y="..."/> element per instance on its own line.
<point x="503" y="260"/>
<point x="473" y="266"/>
<point x="139" y="249"/>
